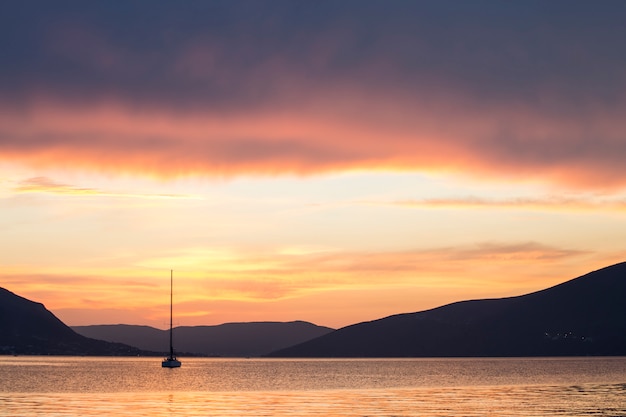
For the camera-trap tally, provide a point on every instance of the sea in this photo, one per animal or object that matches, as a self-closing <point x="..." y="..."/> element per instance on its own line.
<point x="111" y="386"/>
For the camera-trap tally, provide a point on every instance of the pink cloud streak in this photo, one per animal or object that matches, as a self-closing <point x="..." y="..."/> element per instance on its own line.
<point x="330" y="131"/>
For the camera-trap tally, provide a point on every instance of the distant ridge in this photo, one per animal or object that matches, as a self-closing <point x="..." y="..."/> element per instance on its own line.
<point x="27" y="327"/>
<point x="584" y="316"/>
<point x="229" y="339"/>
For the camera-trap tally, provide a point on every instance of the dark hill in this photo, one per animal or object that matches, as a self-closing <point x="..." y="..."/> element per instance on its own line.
<point x="584" y="316"/>
<point x="26" y="327"/>
<point x="230" y="339"/>
<point x="142" y="337"/>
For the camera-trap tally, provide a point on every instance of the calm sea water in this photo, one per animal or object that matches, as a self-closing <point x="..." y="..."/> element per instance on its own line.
<point x="68" y="386"/>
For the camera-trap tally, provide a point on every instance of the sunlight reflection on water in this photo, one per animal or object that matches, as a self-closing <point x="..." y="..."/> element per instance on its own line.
<point x="64" y="387"/>
<point x="603" y="400"/>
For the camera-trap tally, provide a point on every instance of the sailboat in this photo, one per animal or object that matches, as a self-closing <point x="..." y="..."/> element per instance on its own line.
<point x="171" y="361"/>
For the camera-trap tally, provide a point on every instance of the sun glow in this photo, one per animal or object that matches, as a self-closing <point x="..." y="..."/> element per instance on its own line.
<point x="373" y="165"/>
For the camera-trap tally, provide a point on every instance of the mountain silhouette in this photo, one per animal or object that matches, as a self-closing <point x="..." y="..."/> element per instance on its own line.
<point x="229" y="339"/>
<point x="27" y="327"/>
<point x="584" y="316"/>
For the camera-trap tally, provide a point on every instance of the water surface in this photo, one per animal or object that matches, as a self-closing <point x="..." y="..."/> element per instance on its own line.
<point x="68" y="386"/>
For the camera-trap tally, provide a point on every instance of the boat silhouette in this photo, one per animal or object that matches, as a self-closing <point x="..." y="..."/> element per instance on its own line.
<point x="171" y="361"/>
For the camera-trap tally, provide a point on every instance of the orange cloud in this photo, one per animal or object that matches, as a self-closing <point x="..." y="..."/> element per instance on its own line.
<point x="47" y="185"/>
<point x="44" y="184"/>
<point x="275" y="275"/>
<point x="331" y="131"/>
<point x="327" y="287"/>
<point x="497" y="91"/>
<point x="547" y="203"/>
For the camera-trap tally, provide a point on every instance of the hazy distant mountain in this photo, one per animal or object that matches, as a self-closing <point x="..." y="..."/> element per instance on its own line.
<point x="230" y="339"/>
<point x="26" y="327"/>
<point x="584" y="316"/>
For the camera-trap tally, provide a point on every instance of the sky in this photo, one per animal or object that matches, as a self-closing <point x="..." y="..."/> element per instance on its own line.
<point x="327" y="161"/>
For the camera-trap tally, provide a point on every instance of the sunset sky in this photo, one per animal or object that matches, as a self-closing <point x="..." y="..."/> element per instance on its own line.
<point x="327" y="161"/>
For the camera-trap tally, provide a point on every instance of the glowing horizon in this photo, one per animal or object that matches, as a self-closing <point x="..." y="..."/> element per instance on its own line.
<point x="330" y="162"/>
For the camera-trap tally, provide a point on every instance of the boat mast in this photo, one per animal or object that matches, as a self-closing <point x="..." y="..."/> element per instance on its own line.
<point x="171" y="310"/>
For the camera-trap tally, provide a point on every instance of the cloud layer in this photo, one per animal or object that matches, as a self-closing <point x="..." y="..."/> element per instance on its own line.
<point x="505" y="90"/>
<point x="334" y="288"/>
